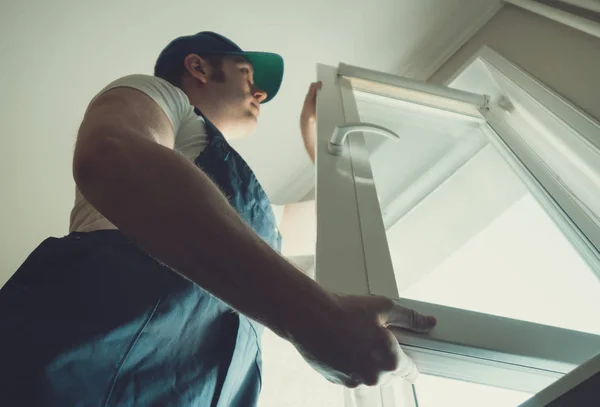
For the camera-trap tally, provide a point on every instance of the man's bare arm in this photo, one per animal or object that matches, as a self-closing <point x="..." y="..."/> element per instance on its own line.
<point x="124" y="165"/>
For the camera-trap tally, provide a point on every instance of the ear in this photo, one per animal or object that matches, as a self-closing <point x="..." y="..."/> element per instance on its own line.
<point x="197" y="67"/>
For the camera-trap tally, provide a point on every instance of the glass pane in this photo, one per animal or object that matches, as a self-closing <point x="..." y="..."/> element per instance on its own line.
<point x="434" y="391"/>
<point x="287" y="380"/>
<point x="463" y="229"/>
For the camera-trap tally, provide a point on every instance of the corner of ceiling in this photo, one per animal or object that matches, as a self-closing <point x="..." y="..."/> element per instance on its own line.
<point x="436" y="49"/>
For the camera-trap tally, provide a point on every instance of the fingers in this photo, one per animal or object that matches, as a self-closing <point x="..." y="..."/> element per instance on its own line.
<point x="313" y="89"/>
<point x="403" y="317"/>
<point x="315" y="86"/>
<point x="310" y="103"/>
<point x="410" y="319"/>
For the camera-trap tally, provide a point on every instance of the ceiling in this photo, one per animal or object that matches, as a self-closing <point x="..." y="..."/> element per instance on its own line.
<point x="57" y="55"/>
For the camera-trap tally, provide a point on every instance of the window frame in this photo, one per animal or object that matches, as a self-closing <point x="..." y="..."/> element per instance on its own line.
<point x="352" y="254"/>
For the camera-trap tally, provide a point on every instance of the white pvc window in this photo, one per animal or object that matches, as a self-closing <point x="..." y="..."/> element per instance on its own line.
<point x="484" y="217"/>
<point x="464" y="229"/>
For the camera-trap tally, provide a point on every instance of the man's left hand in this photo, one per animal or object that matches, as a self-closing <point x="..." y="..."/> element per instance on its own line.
<point x="308" y="119"/>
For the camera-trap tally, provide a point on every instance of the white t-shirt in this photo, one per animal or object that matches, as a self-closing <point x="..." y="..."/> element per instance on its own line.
<point x="190" y="140"/>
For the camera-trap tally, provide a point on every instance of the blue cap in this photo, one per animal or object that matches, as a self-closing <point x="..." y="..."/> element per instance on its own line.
<point x="268" y="67"/>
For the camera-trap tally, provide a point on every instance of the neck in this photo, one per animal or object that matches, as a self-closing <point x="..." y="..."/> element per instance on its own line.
<point x="214" y="109"/>
<point x="210" y="109"/>
<point x="209" y="113"/>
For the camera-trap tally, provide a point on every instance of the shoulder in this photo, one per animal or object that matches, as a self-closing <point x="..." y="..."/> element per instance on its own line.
<point x="172" y="100"/>
<point x="152" y="85"/>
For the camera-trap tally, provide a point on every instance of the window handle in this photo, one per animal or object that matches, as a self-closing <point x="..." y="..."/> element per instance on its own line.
<point x="336" y="144"/>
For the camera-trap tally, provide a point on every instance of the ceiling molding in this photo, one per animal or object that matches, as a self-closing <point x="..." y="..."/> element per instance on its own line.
<point x="436" y="52"/>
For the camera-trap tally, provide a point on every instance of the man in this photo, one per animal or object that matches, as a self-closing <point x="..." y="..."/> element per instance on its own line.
<point x="159" y="294"/>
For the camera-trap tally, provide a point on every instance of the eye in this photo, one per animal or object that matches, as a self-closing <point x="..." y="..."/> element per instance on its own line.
<point x="245" y="70"/>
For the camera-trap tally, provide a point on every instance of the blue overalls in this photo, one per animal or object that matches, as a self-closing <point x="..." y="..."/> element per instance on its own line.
<point x="91" y="320"/>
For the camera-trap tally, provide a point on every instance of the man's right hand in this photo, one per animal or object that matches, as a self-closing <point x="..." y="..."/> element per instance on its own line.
<point x="352" y="346"/>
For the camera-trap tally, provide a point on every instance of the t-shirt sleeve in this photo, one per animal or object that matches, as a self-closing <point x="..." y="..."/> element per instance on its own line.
<point x="171" y="99"/>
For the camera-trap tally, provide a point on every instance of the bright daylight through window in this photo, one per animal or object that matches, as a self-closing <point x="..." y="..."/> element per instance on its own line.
<point x="501" y="254"/>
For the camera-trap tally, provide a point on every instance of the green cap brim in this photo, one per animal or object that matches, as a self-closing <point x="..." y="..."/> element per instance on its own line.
<point x="268" y="71"/>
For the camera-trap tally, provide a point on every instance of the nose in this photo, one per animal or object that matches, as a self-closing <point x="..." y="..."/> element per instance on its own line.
<point x="259" y="94"/>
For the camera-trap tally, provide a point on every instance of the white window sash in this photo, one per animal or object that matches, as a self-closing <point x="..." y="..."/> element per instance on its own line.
<point x="353" y="257"/>
<point x="550" y="105"/>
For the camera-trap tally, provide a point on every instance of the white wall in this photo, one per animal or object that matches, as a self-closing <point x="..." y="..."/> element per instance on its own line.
<point x="561" y="57"/>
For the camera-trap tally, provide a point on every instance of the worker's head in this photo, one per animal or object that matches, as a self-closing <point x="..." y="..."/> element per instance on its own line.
<point x="225" y="83"/>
